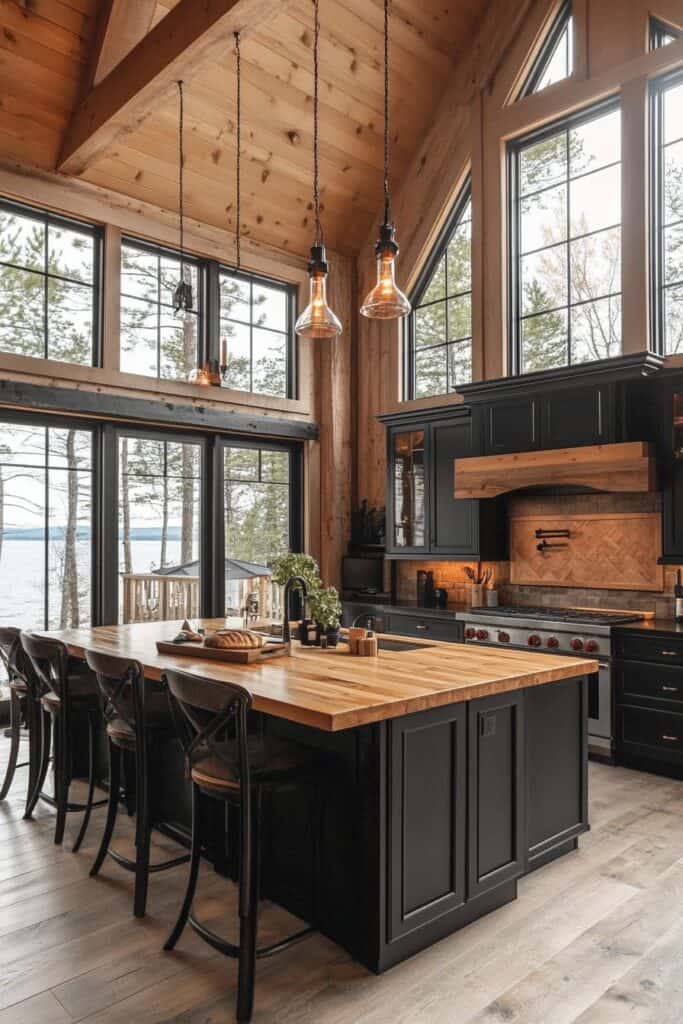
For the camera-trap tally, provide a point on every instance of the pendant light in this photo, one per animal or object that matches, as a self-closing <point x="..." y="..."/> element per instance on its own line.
<point x="182" y="296"/>
<point x="386" y="301"/>
<point x="224" y="365"/>
<point x="317" y="320"/>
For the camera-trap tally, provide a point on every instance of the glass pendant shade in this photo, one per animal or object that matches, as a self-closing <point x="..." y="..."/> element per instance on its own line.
<point x="386" y="301"/>
<point x="318" y="320"/>
<point x="200" y="375"/>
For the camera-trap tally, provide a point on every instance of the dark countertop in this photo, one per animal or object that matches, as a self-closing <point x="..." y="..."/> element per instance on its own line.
<point x="663" y="627"/>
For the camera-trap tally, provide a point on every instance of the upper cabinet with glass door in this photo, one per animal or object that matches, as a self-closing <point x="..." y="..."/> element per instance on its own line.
<point x="408" y="511"/>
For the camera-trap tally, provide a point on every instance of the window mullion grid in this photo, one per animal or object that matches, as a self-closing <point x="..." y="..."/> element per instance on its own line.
<point x="251" y="336"/>
<point x="569" y="254"/>
<point x="46" y="348"/>
<point x="46" y="531"/>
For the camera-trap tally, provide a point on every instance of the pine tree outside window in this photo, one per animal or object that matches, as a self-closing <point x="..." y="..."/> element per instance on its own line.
<point x="155" y="342"/>
<point x="555" y="61"/>
<point x="565" y="242"/>
<point x="438" y="332"/>
<point x="49" y="286"/>
<point x="256" y="329"/>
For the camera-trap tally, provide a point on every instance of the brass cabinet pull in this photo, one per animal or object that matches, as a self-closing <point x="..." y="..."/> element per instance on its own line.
<point x="669" y="654"/>
<point x="670" y="739"/>
<point x="668" y="689"/>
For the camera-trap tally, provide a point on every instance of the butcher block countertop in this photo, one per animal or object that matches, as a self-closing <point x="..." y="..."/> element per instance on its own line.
<point x="331" y="690"/>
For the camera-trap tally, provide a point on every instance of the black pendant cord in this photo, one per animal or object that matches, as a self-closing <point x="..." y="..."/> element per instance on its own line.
<point x="238" y="165"/>
<point x="387" y="197"/>
<point x="181" y="170"/>
<point x="319" y="241"/>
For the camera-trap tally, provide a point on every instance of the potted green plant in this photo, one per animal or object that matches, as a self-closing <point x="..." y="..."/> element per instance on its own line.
<point x="326" y="611"/>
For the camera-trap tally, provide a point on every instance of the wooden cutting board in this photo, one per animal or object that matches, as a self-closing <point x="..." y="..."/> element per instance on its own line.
<point x="241" y="656"/>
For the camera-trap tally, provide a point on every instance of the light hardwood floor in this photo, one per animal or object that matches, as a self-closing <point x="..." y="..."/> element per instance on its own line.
<point x="595" y="938"/>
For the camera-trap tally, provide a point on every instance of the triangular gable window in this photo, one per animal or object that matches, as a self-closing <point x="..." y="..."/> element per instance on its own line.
<point x="661" y="33"/>
<point x="556" y="59"/>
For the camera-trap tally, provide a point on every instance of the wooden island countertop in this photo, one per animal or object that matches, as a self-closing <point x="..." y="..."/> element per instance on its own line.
<point x="331" y="690"/>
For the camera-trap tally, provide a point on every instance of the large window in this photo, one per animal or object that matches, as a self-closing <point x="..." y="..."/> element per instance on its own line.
<point x="255" y="330"/>
<point x="555" y="60"/>
<point x="565" y="258"/>
<point x="159" y="528"/>
<point x="438" y="339"/>
<point x="667" y="210"/>
<point x="259" y="518"/>
<point x="45" y="525"/>
<point x="49" y="286"/>
<point x="661" y="33"/>
<point x="155" y="342"/>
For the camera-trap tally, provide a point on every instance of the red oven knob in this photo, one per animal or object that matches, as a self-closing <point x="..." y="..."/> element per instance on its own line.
<point x="470" y="633"/>
<point x="503" y="637"/>
<point x="552" y="641"/>
<point x="591" y="646"/>
<point x="576" y="643"/>
<point x="482" y="634"/>
<point x="534" y="640"/>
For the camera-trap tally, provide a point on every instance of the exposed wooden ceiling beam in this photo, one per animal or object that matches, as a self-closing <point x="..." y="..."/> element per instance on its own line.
<point x="194" y="32"/>
<point x="120" y="26"/>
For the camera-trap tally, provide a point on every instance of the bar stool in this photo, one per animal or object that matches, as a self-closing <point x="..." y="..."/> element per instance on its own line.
<point x="138" y="719"/>
<point x="233" y="769"/>
<point x="65" y="692"/>
<point x="25" y="693"/>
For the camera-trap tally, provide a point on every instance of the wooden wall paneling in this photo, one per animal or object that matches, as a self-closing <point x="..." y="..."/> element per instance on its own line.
<point x="580" y="14"/>
<point x="495" y="254"/>
<point x="616" y="551"/>
<point x="176" y="48"/>
<point x="635" y="263"/>
<point x="478" y="220"/>
<point x="111" y="294"/>
<point x="666" y="10"/>
<point x="609" y="48"/>
<point x="333" y="395"/>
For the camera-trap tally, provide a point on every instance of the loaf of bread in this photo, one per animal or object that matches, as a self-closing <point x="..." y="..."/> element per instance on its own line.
<point x="234" y="639"/>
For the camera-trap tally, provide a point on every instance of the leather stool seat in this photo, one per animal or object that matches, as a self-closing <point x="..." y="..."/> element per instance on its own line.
<point x="270" y="757"/>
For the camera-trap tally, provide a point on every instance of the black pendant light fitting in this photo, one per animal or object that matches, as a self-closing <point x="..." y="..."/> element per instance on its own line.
<point x="386" y="301"/>
<point x="182" y="296"/>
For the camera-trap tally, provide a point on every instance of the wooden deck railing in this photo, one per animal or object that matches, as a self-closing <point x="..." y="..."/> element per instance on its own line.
<point x="148" y="597"/>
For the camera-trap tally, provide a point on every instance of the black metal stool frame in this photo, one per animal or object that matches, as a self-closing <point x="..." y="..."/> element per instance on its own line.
<point x="50" y="660"/>
<point x="199" y="725"/>
<point x="24" y="708"/>
<point x="119" y="678"/>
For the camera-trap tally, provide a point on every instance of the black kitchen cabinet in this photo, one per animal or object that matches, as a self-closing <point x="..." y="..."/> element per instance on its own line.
<point x="509" y="425"/>
<point x="430" y="623"/>
<point x="497" y="805"/>
<point x="427" y="823"/>
<point x="649" y="700"/>
<point x="423" y="516"/>
<point x="557" y="743"/>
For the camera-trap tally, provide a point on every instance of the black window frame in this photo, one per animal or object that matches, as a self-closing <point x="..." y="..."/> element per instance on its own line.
<point x="658" y="30"/>
<point x="656" y="202"/>
<point x="48" y="420"/>
<point x="514" y="148"/>
<point x="201" y="299"/>
<point x="104" y="548"/>
<point x="292" y="351"/>
<point x="540" y="64"/>
<point x="440" y="247"/>
<point x="96" y="231"/>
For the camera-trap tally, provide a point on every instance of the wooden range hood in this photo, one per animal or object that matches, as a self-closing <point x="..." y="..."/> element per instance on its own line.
<point x="629" y="466"/>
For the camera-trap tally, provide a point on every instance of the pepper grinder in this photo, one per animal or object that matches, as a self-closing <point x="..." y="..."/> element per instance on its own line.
<point x="678" y="595"/>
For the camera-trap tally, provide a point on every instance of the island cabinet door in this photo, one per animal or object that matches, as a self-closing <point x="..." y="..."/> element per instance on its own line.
<point x="496" y="819"/>
<point x="427" y="823"/>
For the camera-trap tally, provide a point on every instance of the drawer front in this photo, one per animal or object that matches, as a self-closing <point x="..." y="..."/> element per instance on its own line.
<point x="430" y="629"/>
<point x="653" y="682"/>
<point x="665" y="649"/>
<point x="646" y="731"/>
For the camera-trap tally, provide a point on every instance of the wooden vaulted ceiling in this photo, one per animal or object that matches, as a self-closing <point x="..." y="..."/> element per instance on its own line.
<point x="49" y="61"/>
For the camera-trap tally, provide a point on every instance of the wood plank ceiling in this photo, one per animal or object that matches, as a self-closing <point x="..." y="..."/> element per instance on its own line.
<point x="46" y="62"/>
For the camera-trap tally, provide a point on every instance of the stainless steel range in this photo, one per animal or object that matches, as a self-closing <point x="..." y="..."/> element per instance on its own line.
<point x="572" y="631"/>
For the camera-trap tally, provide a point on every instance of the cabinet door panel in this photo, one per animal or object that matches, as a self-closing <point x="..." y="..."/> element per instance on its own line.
<point x="427" y="798"/>
<point x="454" y="522"/>
<point x="408" y="485"/>
<point x="575" y="417"/>
<point x="511" y="426"/>
<point x="496" y="791"/>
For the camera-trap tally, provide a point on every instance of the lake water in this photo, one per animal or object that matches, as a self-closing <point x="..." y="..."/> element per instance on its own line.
<point x="22" y="577"/>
